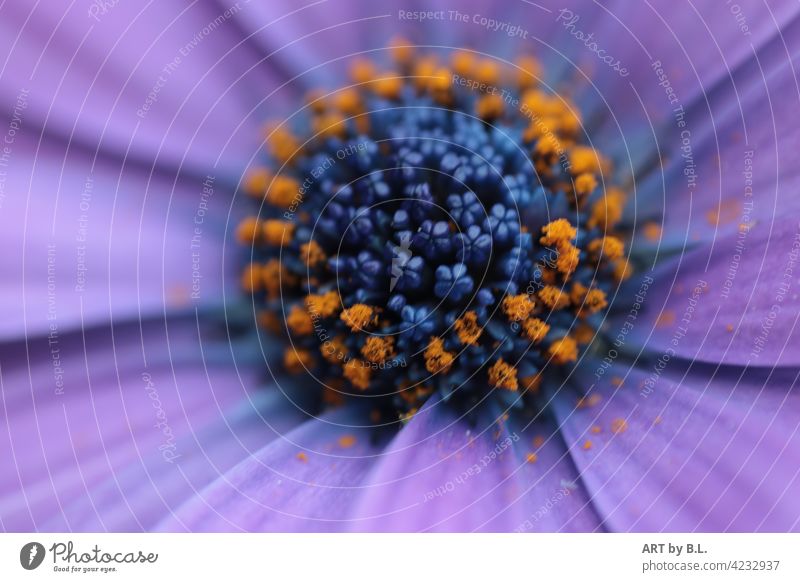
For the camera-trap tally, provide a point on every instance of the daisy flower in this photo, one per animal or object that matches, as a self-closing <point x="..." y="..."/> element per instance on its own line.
<point x="358" y="266"/>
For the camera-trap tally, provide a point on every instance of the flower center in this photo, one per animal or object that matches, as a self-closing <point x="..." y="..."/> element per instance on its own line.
<point x="440" y="228"/>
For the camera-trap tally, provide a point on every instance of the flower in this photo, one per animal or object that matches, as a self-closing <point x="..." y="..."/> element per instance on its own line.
<point x="137" y="397"/>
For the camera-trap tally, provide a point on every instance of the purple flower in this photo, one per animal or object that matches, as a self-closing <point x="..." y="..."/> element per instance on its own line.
<point x="136" y="395"/>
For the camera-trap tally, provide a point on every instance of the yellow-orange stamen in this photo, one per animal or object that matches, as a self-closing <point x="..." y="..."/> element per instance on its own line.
<point x="517" y="307"/>
<point x="297" y="360"/>
<point x="312" y="254"/>
<point x="503" y="375"/>
<point x="553" y="297"/>
<point x="467" y="328"/>
<point x="535" y="329"/>
<point x="359" y="317"/>
<point x="563" y="350"/>
<point x="325" y="305"/>
<point x="436" y="358"/>
<point x="378" y="349"/>
<point x="358" y="373"/>
<point x="558" y="231"/>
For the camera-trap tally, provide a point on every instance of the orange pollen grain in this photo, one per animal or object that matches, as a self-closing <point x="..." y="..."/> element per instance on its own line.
<point x="535" y="329"/>
<point x="358" y="373"/>
<point x="248" y="231"/>
<point x="503" y="375"/>
<point x="531" y="457"/>
<point x="610" y="248"/>
<point x="312" y="254"/>
<point x="296" y="360"/>
<point x="553" y="297"/>
<point x="346" y="441"/>
<point x="585" y="184"/>
<point x="517" y="307"/>
<point x="334" y="350"/>
<point x="557" y="231"/>
<point x="283" y="192"/>
<point x="467" y="328"/>
<point x="301" y="456"/>
<point x="325" y="305"/>
<point x="299" y="321"/>
<point x="359" y="317"/>
<point x="489" y="106"/>
<point x="256" y="182"/>
<point x="437" y="359"/>
<point x="378" y="349"/>
<point x="568" y="258"/>
<point x="563" y="350"/>
<point x="278" y="232"/>
<point x="619" y="425"/>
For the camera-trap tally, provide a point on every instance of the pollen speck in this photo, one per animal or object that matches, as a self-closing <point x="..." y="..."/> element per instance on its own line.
<point x="436" y="358"/>
<point x="347" y="441"/>
<point x="517" y="307"/>
<point x="619" y="425"/>
<point x="563" y="350"/>
<point x="359" y="317"/>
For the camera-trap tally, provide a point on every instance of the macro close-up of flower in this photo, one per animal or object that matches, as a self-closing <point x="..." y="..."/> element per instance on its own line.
<point x="350" y="266"/>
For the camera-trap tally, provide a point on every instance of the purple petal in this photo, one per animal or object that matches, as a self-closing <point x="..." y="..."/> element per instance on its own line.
<point x="87" y="242"/>
<point x="441" y="475"/>
<point x="72" y="446"/>
<point x="706" y="451"/>
<point x="305" y="480"/>
<point x="731" y="304"/>
<point x="91" y="76"/>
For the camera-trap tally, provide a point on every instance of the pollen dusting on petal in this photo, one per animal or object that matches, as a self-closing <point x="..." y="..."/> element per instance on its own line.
<point x="302" y="457"/>
<point x="297" y="360"/>
<point x="563" y="350"/>
<point x="359" y="317"/>
<point x="619" y="425"/>
<point x="558" y="231"/>
<point x="596" y="429"/>
<point x="324" y="305"/>
<point x="277" y="232"/>
<point x="503" y="375"/>
<point x="312" y="254"/>
<point x="535" y="329"/>
<point x="467" y="328"/>
<point x="531" y="458"/>
<point x="358" y="372"/>
<point x="553" y="297"/>
<point x="299" y="321"/>
<point x="346" y="441"/>
<point x="518" y="307"/>
<point x="589" y="401"/>
<point x="587" y="445"/>
<point x="437" y="359"/>
<point x="378" y="349"/>
<point x="652" y="231"/>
